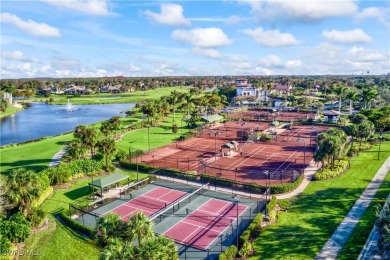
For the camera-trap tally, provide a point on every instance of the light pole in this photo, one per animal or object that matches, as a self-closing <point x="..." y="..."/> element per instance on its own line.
<point x="304" y="148"/>
<point x="236" y="199"/>
<point x="380" y="141"/>
<point x="266" y="191"/>
<point x="136" y="161"/>
<point x="215" y="143"/>
<point x="149" y="138"/>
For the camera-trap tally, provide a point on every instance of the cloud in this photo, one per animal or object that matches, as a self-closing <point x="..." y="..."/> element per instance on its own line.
<point x="17" y="55"/>
<point x="271" y="61"/>
<point x="359" y="54"/>
<point x="347" y="37"/>
<point x="92" y="7"/>
<point x="203" y="37"/>
<point x="29" y="26"/>
<point x="304" y="10"/>
<point x="271" y="38"/>
<point x="381" y="15"/>
<point x="233" y="19"/>
<point x="171" y="14"/>
<point x="211" y="53"/>
<point x="291" y="64"/>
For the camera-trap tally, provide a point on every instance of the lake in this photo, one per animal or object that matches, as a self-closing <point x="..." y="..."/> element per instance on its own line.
<point x="40" y="120"/>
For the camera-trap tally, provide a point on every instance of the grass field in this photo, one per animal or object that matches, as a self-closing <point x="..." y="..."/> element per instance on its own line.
<point x="355" y="243"/>
<point x="59" y="242"/>
<point x="10" y="111"/>
<point x="312" y="217"/>
<point x="108" y="98"/>
<point x="159" y="135"/>
<point x="33" y="156"/>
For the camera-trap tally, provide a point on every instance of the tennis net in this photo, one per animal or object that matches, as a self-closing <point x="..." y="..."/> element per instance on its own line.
<point x="178" y="202"/>
<point x="149" y="202"/>
<point x="206" y="149"/>
<point x="207" y="217"/>
<point x="265" y="156"/>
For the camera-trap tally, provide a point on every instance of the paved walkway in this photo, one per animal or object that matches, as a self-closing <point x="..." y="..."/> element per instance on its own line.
<point x="343" y="232"/>
<point x="58" y="157"/>
<point x="309" y="173"/>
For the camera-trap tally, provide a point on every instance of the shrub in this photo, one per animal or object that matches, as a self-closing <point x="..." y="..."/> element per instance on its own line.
<point x="327" y="173"/>
<point x="111" y="168"/>
<point x="229" y="254"/>
<point x="258" y="219"/>
<point x="141" y="166"/>
<point x="175" y="128"/>
<point x="121" y="154"/>
<point x="16" y="229"/>
<point x="245" y="236"/>
<point x="272" y="215"/>
<point x="245" y="249"/>
<point x="36" y="217"/>
<point x="272" y="204"/>
<point x="44" y="195"/>
<point x="73" y="224"/>
<point x="286" y="187"/>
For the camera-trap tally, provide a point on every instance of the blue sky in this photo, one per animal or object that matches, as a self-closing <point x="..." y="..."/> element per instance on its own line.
<point x="96" y="38"/>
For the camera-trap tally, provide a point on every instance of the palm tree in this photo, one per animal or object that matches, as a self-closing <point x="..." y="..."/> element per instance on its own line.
<point x="141" y="227"/>
<point x="368" y="94"/>
<point x="90" y="139"/>
<point x="24" y="188"/>
<point x="340" y="92"/>
<point x="115" y="123"/>
<point x="107" y="229"/>
<point x="107" y="148"/>
<point x="3" y="192"/>
<point x="76" y="150"/>
<point x="352" y="96"/>
<point x="118" y="250"/>
<point x="174" y="98"/>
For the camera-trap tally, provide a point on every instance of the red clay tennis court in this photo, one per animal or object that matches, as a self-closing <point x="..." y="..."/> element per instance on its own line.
<point x="149" y="202"/>
<point x="204" y="225"/>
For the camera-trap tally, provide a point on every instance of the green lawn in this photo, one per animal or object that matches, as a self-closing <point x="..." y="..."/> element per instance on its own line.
<point x="10" y="111"/>
<point x="59" y="242"/>
<point x="33" y="156"/>
<point x="159" y="135"/>
<point x="355" y="243"/>
<point x="107" y="98"/>
<point x="312" y="217"/>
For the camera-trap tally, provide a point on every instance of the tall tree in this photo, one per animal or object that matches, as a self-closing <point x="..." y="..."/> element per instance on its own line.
<point x="141" y="226"/>
<point x="340" y="90"/>
<point x="107" y="148"/>
<point x="351" y="96"/>
<point x="24" y="187"/>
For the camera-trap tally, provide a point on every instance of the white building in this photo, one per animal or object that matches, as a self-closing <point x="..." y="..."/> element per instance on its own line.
<point x="243" y="88"/>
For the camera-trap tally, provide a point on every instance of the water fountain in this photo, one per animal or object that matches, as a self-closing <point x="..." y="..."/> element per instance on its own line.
<point x="69" y="106"/>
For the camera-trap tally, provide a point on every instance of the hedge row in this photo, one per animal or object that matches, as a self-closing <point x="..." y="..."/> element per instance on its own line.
<point x="229" y="253"/>
<point x="287" y="187"/>
<point x="327" y="173"/>
<point x="141" y="166"/>
<point x="178" y="174"/>
<point x="73" y="224"/>
<point x="272" y="204"/>
<point x="251" y="230"/>
<point x="44" y="195"/>
<point x="63" y="173"/>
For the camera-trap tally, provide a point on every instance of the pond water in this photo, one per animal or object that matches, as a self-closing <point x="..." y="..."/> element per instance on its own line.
<point x="40" y="120"/>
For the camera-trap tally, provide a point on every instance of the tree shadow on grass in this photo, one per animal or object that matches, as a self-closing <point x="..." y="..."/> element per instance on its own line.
<point x="34" y="165"/>
<point x="77" y="193"/>
<point x="310" y="221"/>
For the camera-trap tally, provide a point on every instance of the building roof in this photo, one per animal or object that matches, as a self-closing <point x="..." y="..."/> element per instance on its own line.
<point x="108" y="180"/>
<point x="279" y="86"/>
<point x="212" y="118"/>
<point x="331" y="113"/>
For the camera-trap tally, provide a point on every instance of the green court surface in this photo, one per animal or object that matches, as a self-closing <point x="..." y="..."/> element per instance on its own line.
<point x="178" y="209"/>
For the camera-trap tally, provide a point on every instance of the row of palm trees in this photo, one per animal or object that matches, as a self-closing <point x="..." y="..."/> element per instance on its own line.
<point x="89" y="138"/>
<point x="132" y="239"/>
<point x="366" y="96"/>
<point x="157" y="110"/>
